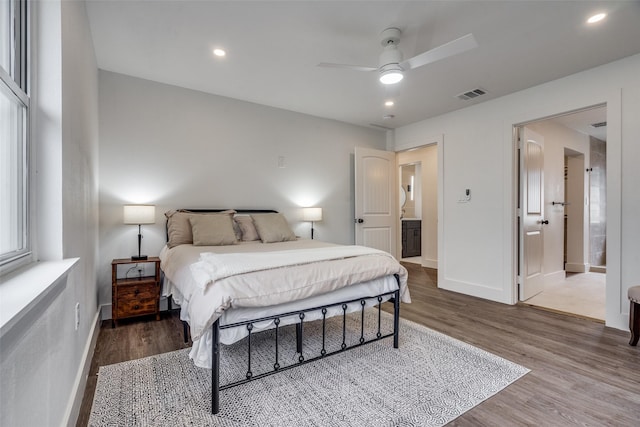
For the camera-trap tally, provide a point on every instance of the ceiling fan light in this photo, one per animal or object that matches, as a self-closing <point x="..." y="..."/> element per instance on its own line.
<point x="392" y="76"/>
<point x="596" y="18"/>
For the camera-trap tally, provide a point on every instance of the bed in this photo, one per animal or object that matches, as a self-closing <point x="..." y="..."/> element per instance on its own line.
<point x="236" y="273"/>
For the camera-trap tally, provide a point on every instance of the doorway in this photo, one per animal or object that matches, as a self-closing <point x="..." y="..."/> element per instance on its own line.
<point x="573" y="259"/>
<point x="411" y="212"/>
<point x="418" y="205"/>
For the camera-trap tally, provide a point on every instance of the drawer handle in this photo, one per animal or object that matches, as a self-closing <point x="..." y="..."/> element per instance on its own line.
<point x="136" y="292"/>
<point x="136" y="307"/>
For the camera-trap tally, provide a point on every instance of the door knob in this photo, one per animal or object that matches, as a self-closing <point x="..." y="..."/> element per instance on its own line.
<point x="544" y="222"/>
<point x="359" y="220"/>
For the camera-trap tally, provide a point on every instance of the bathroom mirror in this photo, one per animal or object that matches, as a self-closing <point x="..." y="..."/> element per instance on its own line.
<point x="410" y="191"/>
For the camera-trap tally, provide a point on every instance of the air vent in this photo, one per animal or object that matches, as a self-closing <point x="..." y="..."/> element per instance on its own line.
<point x="473" y="93"/>
<point x="599" y="125"/>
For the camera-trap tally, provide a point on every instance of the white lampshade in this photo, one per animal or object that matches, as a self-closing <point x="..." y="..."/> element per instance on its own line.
<point x="139" y="214"/>
<point x="312" y="214"/>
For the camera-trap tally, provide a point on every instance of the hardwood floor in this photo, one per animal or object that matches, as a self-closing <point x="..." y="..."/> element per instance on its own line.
<point x="132" y="339"/>
<point x="582" y="373"/>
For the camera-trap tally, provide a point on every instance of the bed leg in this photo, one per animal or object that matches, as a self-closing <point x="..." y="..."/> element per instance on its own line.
<point x="215" y="368"/>
<point x="396" y="318"/>
<point x="185" y="331"/>
<point x="299" y="337"/>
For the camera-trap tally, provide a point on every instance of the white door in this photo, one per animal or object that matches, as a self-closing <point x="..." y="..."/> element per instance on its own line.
<point x="375" y="193"/>
<point x="532" y="213"/>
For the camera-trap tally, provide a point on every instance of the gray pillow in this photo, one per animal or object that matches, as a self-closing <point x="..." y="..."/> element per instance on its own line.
<point x="273" y="227"/>
<point x="245" y="223"/>
<point x="212" y="230"/>
<point x="179" y="227"/>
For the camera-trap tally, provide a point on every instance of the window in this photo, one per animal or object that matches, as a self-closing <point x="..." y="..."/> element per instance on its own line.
<point x="14" y="142"/>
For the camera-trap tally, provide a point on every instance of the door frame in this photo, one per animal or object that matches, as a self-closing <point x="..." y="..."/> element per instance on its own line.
<point x="429" y="263"/>
<point x="616" y="305"/>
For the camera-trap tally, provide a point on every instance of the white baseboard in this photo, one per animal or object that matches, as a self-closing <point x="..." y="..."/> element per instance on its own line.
<point x="573" y="267"/>
<point x="597" y="269"/>
<point x="80" y="383"/>
<point x="430" y="263"/>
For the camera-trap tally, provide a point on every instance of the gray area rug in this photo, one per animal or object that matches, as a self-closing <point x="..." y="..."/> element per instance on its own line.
<point x="430" y="380"/>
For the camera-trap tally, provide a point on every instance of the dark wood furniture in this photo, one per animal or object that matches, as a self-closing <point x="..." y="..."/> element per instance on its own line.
<point x="134" y="294"/>
<point x="411" y="238"/>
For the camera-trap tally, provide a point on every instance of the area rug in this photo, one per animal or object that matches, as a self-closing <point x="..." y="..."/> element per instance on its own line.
<point x="429" y="381"/>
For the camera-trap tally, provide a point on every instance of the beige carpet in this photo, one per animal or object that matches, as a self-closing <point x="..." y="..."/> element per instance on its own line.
<point x="582" y="294"/>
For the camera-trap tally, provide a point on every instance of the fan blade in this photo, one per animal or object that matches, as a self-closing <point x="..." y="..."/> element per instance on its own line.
<point x="454" y="47"/>
<point x="350" y="67"/>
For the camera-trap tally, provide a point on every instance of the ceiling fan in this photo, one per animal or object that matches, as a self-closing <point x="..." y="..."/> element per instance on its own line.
<point x="391" y="66"/>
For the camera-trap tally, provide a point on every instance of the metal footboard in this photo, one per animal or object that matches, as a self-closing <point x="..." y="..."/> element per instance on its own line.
<point x="249" y="324"/>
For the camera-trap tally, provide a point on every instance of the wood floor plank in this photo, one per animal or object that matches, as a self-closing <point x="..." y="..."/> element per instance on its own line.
<point x="582" y="373"/>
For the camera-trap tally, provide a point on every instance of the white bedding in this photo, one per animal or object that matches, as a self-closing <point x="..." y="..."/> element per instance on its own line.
<point x="212" y="267"/>
<point x="201" y="307"/>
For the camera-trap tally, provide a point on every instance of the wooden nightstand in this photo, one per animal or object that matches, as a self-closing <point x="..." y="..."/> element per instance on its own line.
<point x="134" y="295"/>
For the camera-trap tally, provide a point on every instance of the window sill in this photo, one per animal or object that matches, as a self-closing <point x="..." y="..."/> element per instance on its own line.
<point x="22" y="290"/>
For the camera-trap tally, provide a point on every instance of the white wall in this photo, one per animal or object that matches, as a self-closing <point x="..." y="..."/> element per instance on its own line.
<point x="556" y="139"/>
<point x="43" y="355"/>
<point x="477" y="255"/>
<point x="179" y="148"/>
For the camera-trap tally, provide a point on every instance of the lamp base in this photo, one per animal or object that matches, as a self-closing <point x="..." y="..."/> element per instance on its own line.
<point x="139" y="257"/>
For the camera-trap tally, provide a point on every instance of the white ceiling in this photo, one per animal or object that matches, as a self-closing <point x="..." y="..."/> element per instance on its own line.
<point x="274" y="48"/>
<point x="583" y="122"/>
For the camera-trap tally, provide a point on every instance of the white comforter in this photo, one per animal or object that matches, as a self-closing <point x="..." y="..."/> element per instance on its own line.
<point x="213" y="267"/>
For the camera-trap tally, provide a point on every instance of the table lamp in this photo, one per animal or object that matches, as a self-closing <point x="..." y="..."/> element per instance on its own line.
<point x="139" y="214"/>
<point x="312" y="214"/>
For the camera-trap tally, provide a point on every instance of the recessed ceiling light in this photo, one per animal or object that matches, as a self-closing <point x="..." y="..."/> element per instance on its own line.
<point x="389" y="103"/>
<point x="219" y="52"/>
<point x="596" y="18"/>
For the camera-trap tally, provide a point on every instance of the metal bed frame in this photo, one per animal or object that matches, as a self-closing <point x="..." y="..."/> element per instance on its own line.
<point x="216" y="327"/>
<point x="216" y="388"/>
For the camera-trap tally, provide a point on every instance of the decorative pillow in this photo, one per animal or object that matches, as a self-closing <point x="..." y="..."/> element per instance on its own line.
<point x="237" y="230"/>
<point x="273" y="227"/>
<point x="179" y="227"/>
<point x="249" y="232"/>
<point x="212" y="230"/>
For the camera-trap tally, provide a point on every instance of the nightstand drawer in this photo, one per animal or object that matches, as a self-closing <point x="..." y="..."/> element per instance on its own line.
<point x="137" y="300"/>
<point x="137" y="292"/>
